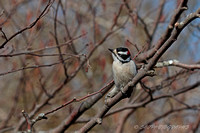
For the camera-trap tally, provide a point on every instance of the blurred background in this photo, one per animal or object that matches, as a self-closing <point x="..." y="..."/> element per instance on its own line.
<point x="38" y="60"/>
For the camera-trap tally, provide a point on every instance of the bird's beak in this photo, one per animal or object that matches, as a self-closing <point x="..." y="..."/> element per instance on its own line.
<point x="111" y="50"/>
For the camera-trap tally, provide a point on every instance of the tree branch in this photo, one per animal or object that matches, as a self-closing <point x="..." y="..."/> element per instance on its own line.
<point x="31" y="25"/>
<point x="178" y="64"/>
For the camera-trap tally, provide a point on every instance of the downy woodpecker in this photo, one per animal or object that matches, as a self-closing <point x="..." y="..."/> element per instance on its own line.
<point x="124" y="69"/>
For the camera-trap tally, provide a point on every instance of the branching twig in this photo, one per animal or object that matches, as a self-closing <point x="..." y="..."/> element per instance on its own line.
<point x="178" y="64"/>
<point x="81" y="109"/>
<point x="30" y="122"/>
<point x="77" y="100"/>
<point x="4" y="35"/>
<point x="166" y="35"/>
<point x="32" y="52"/>
<point x="117" y="16"/>
<point x="147" y="101"/>
<point x="160" y="12"/>
<point x="30" y="26"/>
<point x="57" y="42"/>
<point x="132" y="15"/>
<point x="32" y="67"/>
<point x="196" y="125"/>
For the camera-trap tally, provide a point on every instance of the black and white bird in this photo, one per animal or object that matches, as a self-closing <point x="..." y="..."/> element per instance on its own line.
<point x="124" y="69"/>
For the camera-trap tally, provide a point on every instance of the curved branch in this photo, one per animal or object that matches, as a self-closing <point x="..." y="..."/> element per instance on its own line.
<point x="81" y="109"/>
<point x="30" y="26"/>
<point x="150" y="53"/>
<point x="178" y="64"/>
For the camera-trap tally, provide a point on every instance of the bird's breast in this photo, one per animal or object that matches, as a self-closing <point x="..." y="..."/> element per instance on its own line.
<point x="123" y="73"/>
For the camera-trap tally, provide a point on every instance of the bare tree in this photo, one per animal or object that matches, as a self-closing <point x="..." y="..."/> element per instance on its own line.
<point x="55" y="67"/>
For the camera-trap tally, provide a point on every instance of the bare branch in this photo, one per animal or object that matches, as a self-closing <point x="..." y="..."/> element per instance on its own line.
<point x="32" y="67"/>
<point x="30" y="26"/>
<point x="84" y="106"/>
<point x="166" y="35"/>
<point x="178" y="64"/>
<point x="46" y="48"/>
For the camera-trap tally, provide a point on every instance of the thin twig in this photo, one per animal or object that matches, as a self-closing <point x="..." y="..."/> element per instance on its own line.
<point x="45" y="11"/>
